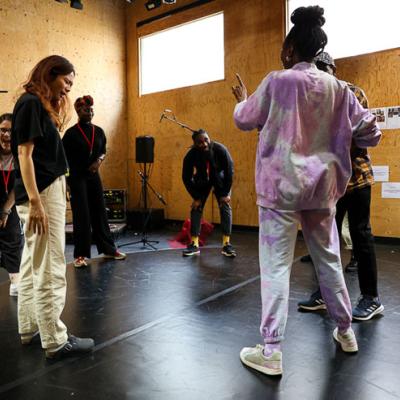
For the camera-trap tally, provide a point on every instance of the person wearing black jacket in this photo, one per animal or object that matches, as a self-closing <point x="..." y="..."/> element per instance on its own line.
<point x="85" y="148"/>
<point x="208" y="165"/>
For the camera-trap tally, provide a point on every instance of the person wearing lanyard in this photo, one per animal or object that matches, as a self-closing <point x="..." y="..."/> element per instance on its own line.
<point x="85" y="148"/>
<point x="40" y="167"/>
<point x="10" y="227"/>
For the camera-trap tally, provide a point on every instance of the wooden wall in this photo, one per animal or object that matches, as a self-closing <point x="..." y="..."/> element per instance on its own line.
<point x="253" y="37"/>
<point x="93" y="39"/>
<point x="379" y="75"/>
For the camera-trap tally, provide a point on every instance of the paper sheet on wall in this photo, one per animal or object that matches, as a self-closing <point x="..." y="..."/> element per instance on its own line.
<point x="391" y="190"/>
<point x="381" y="173"/>
<point x="381" y="116"/>
<point x="393" y="118"/>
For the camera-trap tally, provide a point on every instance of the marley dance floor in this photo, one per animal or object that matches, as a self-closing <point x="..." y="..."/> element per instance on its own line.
<point x="171" y="328"/>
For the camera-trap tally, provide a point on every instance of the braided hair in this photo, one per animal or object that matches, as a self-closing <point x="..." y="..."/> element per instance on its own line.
<point x="307" y="36"/>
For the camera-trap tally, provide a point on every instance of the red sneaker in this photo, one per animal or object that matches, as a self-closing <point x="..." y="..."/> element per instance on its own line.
<point x="118" y="255"/>
<point x="80" y="262"/>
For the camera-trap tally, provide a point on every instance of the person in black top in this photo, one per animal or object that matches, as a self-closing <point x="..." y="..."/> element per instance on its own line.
<point x="208" y="165"/>
<point x="85" y="147"/>
<point x="11" y="242"/>
<point x="41" y="200"/>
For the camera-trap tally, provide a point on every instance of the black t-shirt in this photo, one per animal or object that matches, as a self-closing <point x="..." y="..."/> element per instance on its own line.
<point x="78" y="149"/>
<point x="31" y="122"/>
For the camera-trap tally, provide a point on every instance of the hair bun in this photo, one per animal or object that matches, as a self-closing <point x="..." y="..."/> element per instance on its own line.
<point x="312" y="15"/>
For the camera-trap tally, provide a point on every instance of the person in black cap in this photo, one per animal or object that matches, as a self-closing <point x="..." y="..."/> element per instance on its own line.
<point x="208" y="165"/>
<point x="356" y="202"/>
<point x="85" y="148"/>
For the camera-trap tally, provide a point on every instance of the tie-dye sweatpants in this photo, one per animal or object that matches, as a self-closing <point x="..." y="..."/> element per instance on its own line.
<point x="277" y="239"/>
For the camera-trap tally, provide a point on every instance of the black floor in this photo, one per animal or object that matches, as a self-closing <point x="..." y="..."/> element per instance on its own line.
<point x="171" y="328"/>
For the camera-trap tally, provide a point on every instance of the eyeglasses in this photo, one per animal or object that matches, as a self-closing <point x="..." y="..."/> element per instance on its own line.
<point x="5" y="130"/>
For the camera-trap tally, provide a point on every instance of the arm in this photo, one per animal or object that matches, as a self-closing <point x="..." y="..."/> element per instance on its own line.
<point x="94" y="167"/>
<point x="228" y="174"/>
<point x="6" y="211"/>
<point x="365" y="129"/>
<point x="37" y="216"/>
<point x="252" y="113"/>
<point x="187" y="177"/>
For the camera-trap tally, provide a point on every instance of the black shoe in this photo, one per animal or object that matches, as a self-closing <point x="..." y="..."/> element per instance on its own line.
<point x="71" y="347"/>
<point x="228" y="250"/>
<point x="352" y="266"/>
<point x="306" y="259"/>
<point x="367" y="307"/>
<point x="191" y="250"/>
<point x="315" y="302"/>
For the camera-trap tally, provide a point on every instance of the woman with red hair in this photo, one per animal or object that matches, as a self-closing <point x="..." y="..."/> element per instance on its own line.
<point x="40" y="112"/>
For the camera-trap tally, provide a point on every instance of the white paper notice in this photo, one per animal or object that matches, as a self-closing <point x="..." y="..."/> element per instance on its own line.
<point x="381" y="116"/>
<point x="381" y="173"/>
<point x="393" y="118"/>
<point x="391" y="190"/>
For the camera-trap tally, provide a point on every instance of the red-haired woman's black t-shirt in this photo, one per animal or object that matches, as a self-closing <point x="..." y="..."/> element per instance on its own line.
<point x="31" y="122"/>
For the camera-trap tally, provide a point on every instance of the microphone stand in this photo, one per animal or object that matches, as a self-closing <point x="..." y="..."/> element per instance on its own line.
<point x="170" y="116"/>
<point x="144" y="177"/>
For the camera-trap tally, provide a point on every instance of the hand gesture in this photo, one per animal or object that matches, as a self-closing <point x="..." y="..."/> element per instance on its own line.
<point x="3" y="220"/>
<point x="240" y="92"/>
<point x="94" y="167"/>
<point x="37" y="218"/>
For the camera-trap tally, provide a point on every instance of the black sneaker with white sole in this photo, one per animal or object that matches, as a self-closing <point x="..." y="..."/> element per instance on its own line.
<point x="228" y="250"/>
<point x="314" y="303"/>
<point x="367" y="308"/>
<point x="71" y="347"/>
<point x="191" y="250"/>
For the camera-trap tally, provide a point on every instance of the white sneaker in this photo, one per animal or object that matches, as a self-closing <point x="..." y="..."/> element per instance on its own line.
<point x="13" y="289"/>
<point x="347" y="340"/>
<point x="253" y="357"/>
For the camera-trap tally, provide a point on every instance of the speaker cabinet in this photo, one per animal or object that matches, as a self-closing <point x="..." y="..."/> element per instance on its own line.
<point x="144" y="149"/>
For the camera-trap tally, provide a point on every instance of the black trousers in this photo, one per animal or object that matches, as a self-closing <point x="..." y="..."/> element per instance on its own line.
<point x="11" y="243"/>
<point x="357" y="204"/>
<point x="225" y="211"/>
<point x="89" y="216"/>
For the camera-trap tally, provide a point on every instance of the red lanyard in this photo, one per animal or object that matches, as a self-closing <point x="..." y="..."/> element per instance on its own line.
<point x="86" y="138"/>
<point x="6" y="178"/>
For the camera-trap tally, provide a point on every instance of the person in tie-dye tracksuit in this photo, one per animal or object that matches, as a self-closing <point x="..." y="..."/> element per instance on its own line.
<point x="306" y="120"/>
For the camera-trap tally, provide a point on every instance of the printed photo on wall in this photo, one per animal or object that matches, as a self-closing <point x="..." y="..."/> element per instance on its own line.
<point x="381" y="116"/>
<point x="393" y="118"/>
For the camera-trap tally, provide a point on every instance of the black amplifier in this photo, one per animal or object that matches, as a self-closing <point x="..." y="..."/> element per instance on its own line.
<point x="115" y="200"/>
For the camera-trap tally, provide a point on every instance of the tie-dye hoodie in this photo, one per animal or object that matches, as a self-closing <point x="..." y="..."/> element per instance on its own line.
<point x="306" y="120"/>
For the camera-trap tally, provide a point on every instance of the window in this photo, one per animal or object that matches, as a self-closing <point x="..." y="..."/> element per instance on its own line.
<point x="185" y="55"/>
<point x="357" y="26"/>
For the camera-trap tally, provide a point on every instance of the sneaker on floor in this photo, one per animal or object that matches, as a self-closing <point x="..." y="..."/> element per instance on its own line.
<point x="352" y="266"/>
<point x="191" y="250"/>
<point x="80" y="262"/>
<point x="254" y="358"/>
<point x="347" y="340"/>
<point x="367" y="307"/>
<point x="13" y="289"/>
<point x="228" y="250"/>
<point x="306" y="259"/>
<point x="71" y="347"/>
<point x="28" y="338"/>
<point x="118" y="255"/>
<point x="314" y="303"/>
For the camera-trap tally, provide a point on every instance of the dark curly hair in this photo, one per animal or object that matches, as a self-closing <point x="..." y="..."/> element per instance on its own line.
<point x="307" y="36"/>
<point x="5" y="117"/>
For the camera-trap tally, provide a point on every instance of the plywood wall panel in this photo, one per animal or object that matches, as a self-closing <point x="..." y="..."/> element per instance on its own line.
<point x="253" y="37"/>
<point x="94" y="41"/>
<point x="379" y="75"/>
